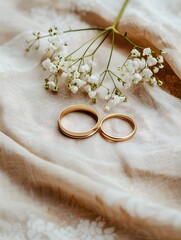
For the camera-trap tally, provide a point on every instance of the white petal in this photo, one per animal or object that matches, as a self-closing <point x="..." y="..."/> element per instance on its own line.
<point x="147" y="73"/>
<point x="107" y="108"/>
<point x="51" y="84"/>
<point x="73" y="89"/>
<point x="46" y="64"/>
<point x="155" y="69"/>
<point x="160" y="59"/>
<point x="146" y="51"/>
<point x="92" y="94"/>
<point x="135" y="53"/>
<point x="94" y="79"/>
<point x="151" y="61"/>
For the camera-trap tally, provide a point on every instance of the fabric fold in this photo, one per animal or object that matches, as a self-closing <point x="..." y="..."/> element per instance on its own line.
<point x="134" y="184"/>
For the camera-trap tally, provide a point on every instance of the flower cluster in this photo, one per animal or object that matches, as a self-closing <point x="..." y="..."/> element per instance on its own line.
<point x="142" y="65"/>
<point x="78" y="76"/>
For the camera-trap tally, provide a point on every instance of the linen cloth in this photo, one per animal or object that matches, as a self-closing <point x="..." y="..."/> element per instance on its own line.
<point x="48" y="181"/>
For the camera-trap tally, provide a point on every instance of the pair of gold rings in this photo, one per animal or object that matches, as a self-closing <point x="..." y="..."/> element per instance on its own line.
<point x="98" y="125"/>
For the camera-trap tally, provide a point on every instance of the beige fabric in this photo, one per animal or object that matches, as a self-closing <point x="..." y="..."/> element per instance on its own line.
<point x="135" y="184"/>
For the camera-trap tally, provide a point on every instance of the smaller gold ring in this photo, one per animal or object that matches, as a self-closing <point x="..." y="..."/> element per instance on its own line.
<point x="118" y="139"/>
<point x="84" y="134"/>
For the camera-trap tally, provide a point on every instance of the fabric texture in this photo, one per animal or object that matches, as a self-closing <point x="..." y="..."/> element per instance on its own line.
<point x="50" y="182"/>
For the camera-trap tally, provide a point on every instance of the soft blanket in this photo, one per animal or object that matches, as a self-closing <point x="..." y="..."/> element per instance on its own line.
<point x="53" y="187"/>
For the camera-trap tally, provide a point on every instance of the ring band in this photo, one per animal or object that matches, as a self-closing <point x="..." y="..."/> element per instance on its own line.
<point x="84" y="134"/>
<point x="118" y="139"/>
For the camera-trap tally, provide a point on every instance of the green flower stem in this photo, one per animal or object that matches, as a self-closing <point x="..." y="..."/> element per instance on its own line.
<point x="76" y="61"/>
<point x="111" y="95"/>
<point x="91" y="65"/>
<point x="33" y="42"/>
<point x="120" y="14"/>
<point x="67" y="31"/>
<point x="97" y="37"/>
<point x="127" y="39"/>
<point x="123" y="65"/>
<point x="91" y="54"/>
<point x="52" y="54"/>
<point x="119" y="78"/>
<point x="89" y="29"/>
<point x="80" y="47"/>
<point x="112" y="79"/>
<point x="100" y="43"/>
<point x="105" y="88"/>
<point x="110" y="56"/>
<point x="49" y="76"/>
<point x="112" y="47"/>
<point x="84" y="29"/>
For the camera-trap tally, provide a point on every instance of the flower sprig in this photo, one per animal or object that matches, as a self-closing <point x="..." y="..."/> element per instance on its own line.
<point x="141" y="65"/>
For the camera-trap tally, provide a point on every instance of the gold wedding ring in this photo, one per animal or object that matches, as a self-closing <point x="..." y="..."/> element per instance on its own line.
<point x="84" y="134"/>
<point x="122" y="117"/>
<point x="98" y="125"/>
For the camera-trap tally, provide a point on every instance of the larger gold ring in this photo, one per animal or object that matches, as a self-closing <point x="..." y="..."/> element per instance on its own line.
<point x="118" y="139"/>
<point x="84" y="134"/>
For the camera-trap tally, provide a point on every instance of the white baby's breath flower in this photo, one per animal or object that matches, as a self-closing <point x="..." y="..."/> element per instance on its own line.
<point x="151" y="61"/>
<point x="53" y="68"/>
<point x="58" y="30"/>
<point x="137" y="78"/>
<point x="153" y="81"/>
<point x="122" y="98"/>
<point x="58" y="45"/>
<point x="128" y="78"/>
<point x="146" y="51"/>
<point x="161" y="66"/>
<point x="84" y="77"/>
<point x="65" y="65"/>
<point x="142" y="63"/>
<point x="136" y="64"/>
<point x="51" y="84"/>
<point x="107" y="108"/>
<point x="55" y="31"/>
<point x="135" y="53"/>
<point x="87" y="88"/>
<point x="76" y="74"/>
<point x="160" y="59"/>
<point x="116" y="99"/>
<point x="79" y="83"/>
<point x="94" y="79"/>
<point x="54" y="41"/>
<point x="73" y="88"/>
<point x="130" y="66"/>
<point x="46" y="63"/>
<point x="155" y="69"/>
<point x="147" y="73"/>
<point x="92" y="94"/>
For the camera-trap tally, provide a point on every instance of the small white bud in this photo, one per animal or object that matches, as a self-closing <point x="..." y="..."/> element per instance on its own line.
<point x="155" y="70"/>
<point x="107" y="108"/>
<point x="160" y="59"/>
